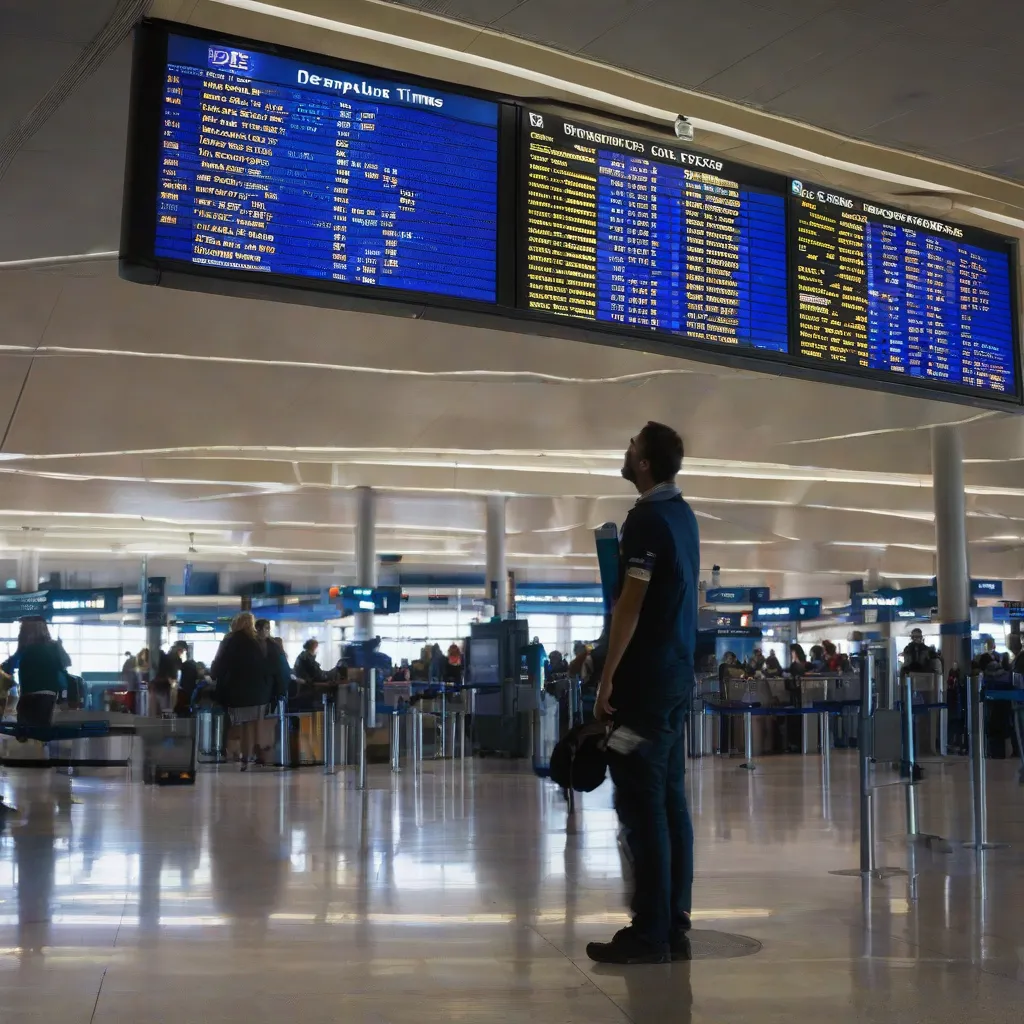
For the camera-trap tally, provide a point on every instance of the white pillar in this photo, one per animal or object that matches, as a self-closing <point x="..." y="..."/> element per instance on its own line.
<point x="497" y="573"/>
<point x="28" y="572"/>
<point x="366" y="554"/>
<point x="951" y="542"/>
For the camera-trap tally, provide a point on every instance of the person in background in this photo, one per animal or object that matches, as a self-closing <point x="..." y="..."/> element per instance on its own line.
<point x="168" y="668"/>
<point x="244" y="681"/>
<point x="453" y="665"/>
<point x="831" y="658"/>
<point x="284" y="668"/>
<point x="130" y="672"/>
<point x="817" y="658"/>
<point x="436" y="671"/>
<point x="188" y="681"/>
<point x="579" y="656"/>
<point x="798" y="665"/>
<point x="755" y="663"/>
<point x="307" y="669"/>
<point x="915" y="657"/>
<point x="142" y="664"/>
<point x="772" y="666"/>
<point x="42" y="674"/>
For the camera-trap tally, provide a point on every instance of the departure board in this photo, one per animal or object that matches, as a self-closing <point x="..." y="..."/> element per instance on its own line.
<point x="627" y="231"/>
<point x="279" y="166"/>
<point x="884" y="290"/>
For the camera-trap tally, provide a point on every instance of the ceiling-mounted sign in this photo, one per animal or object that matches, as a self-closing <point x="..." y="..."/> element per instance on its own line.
<point x="261" y="162"/>
<point x="792" y="610"/>
<point x="379" y="600"/>
<point x="104" y="601"/>
<point x="19" y="606"/>
<point x="890" y="293"/>
<point x="640" y="233"/>
<point x="736" y="595"/>
<point x="986" y="588"/>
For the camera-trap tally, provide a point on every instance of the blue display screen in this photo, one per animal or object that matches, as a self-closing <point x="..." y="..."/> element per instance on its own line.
<point x="893" y="292"/>
<point x="280" y="166"/>
<point x="627" y="231"/>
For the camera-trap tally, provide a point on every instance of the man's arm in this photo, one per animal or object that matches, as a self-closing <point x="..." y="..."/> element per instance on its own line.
<point x="625" y="616"/>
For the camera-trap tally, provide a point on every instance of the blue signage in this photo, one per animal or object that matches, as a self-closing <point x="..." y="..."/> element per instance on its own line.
<point x="155" y="605"/>
<point x="19" y="606"/>
<point x="379" y="600"/>
<point x="271" y="165"/>
<point x="793" y="610"/>
<point x="986" y="588"/>
<point x="736" y="595"/>
<point x="104" y="601"/>
<point x="708" y="618"/>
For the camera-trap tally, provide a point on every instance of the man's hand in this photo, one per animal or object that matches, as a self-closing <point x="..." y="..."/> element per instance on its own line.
<point x="603" y="710"/>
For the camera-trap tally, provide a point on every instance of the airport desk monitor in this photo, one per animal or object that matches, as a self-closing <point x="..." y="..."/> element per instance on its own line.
<point x="503" y="716"/>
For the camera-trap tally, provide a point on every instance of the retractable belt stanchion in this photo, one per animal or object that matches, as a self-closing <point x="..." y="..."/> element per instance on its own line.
<point x="908" y="753"/>
<point x="367" y="719"/>
<point x="867" y="868"/>
<point x="282" y="732"/>
<point x="825" y="740"/>
<point x="330" y="735"/>
<point x="396" y="741"/>
<point x="979" y="787"/>
<point x="748" y="742"/>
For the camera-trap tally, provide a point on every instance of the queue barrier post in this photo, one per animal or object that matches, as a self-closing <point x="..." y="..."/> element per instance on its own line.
<point x="868" y="867"/>
<point x="396" y="741"/>
<point x="330" y="736"/>
<point x="909" y="761"/>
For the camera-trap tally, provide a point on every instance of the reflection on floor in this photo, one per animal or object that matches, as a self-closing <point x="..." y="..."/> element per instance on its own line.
<point x="461" y="895"/>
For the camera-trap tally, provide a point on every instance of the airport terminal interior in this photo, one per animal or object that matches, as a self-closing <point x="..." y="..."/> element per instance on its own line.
<point x="343" y="313"/>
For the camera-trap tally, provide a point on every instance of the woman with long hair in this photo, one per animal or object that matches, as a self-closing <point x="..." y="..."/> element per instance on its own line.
<point x="244" y="682"/>
<point x="42" y="675"/>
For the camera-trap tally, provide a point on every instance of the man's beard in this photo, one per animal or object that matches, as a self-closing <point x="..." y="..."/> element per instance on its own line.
<point x="628" y="472"/>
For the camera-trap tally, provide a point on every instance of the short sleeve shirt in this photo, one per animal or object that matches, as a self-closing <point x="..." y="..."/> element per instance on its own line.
<point x="660" y="545"/>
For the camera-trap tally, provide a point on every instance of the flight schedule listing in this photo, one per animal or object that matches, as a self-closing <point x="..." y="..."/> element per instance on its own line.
<point x="272" y="165"/>
<point x="628" y="231"/>
<point x="886" y="290"/>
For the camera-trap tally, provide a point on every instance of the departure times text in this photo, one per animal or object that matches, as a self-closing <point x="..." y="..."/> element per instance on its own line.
<point x="885" y="290"/>
<point x="628" y="232"/>
<point x="275" y="166"/>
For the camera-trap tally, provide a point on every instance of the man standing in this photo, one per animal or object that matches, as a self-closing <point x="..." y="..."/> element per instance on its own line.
<point x="645" y="692"/>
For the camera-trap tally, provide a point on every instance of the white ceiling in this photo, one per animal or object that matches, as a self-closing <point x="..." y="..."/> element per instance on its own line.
<point x="133" y="417"/>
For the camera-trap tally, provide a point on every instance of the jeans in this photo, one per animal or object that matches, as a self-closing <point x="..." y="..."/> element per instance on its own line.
<point x="650" y="799"/>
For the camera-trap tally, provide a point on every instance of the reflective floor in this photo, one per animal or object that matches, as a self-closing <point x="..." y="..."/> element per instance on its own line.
<point x="461" y="895"/>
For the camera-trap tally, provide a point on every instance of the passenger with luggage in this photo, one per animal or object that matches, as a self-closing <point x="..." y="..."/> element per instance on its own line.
<point x="644" y="693"/>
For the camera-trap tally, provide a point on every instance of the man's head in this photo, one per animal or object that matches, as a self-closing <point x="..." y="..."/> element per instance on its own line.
<point x="180" y="648"/>
<point x="311" y="645"/>
<point x="916" y="636"/>
<point x="263" y="629"/>
<point x="1013" y="644"/>
<point x="653" y="457"/>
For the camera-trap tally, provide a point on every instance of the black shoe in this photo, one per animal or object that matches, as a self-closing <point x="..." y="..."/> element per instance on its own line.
<point x="627" y="948"/>
<point x="679" y="941"/>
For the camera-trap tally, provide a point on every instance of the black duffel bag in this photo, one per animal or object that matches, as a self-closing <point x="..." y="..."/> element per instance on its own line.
<point x="580" y="760"/>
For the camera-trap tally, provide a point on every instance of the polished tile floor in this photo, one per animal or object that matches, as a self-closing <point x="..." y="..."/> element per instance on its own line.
<point x="461" y="895"/>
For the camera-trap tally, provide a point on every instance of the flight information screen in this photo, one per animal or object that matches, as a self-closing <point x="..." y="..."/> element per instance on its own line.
<point x="884" y="290"/>
<point x="627" y="231"/>
<point x="280" y="166"/>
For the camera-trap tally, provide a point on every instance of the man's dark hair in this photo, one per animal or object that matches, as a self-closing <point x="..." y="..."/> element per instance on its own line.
<point x="662" y="447"/>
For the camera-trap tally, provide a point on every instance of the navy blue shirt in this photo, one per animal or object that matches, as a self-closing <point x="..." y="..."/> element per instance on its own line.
<point x="660" y="544"/>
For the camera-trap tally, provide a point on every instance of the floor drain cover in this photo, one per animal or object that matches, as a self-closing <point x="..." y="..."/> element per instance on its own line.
<point x="707" y="945"/>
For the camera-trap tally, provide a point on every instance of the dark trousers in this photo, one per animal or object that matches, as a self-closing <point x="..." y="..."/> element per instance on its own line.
<point x="650" y="798"/>
<point x="36" y="709"/>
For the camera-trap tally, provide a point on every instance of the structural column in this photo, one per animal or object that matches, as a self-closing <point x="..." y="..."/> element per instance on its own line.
<point x="497" y="575"/>
<point x="951" y="544"/>
<point x="366" y="554"/>
<point x="28" y="572"/>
